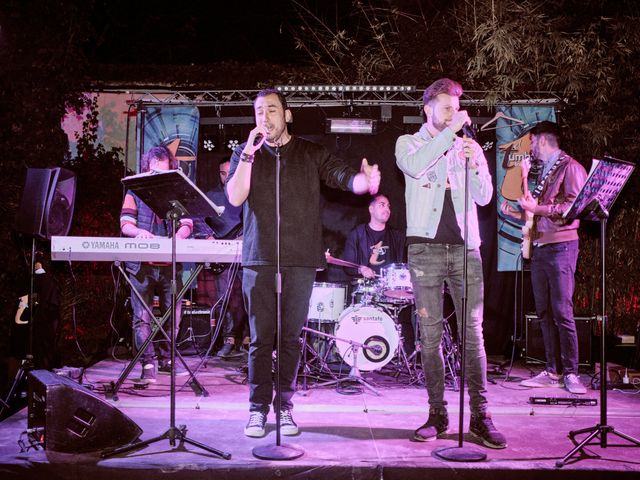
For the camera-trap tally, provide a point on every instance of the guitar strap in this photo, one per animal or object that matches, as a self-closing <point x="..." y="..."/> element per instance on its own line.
<point x="540" y="187"/>
<point x="538" y="191"/>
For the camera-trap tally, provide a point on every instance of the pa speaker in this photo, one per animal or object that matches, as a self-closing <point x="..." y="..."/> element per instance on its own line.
<point x="534" y="343"/>
<point x="75" y="419"/>
<point x="46" y="207"/>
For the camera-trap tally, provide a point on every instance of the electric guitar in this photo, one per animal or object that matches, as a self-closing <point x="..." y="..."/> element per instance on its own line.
<point x="529" y="224"/>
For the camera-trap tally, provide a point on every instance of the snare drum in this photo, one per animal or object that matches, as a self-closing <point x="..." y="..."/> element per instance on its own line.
<point x="327" y="302"/>
<point x="397" y="282"/>
<point x="367" y="291"/>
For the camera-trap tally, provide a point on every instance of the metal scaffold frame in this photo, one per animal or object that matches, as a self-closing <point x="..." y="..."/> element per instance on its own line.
<point x="330" y="96"/>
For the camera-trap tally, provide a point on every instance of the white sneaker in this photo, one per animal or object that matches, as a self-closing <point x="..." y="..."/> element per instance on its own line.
<point x="573" y="384"/>
<point x="542" y="380"/>
<point x="287" y="425"/>
<point x="255" y="426"/>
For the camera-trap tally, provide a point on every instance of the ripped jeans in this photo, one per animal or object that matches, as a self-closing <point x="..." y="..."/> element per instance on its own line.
<point x="431" y="265"/>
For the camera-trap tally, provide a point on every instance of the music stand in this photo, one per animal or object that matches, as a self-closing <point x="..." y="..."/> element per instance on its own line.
<point x="605" y="182"/>
<point x="170" y="194"/>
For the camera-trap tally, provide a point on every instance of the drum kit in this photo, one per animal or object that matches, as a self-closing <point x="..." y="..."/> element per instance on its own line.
<point x="366" y="334"/>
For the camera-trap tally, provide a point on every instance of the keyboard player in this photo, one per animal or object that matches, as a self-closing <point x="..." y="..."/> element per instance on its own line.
<point x="139" y="221"/>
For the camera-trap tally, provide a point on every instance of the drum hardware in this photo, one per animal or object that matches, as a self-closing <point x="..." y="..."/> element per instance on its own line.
<point x="373" y="349"/>
<point x="401" y="360"/>
<point x="450" y="354"/>
<point x="315" y="356"/>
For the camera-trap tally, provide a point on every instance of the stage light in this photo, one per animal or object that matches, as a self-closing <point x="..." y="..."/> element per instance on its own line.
<point x="208" y="145"/>
<point x="233" y="144"/>
<point x="345" y="88"/>
<point x="360" y="126"/>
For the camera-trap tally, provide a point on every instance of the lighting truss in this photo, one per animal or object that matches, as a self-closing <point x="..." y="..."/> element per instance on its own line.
<point x="330" y="96"/>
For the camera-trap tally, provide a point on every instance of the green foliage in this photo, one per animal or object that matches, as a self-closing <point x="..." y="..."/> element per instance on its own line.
<point x="89" y="287"/>
<point x="586" y="52"/>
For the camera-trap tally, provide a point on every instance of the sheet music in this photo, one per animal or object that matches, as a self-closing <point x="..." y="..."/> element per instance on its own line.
<point x="167" y="177"/>
<point x="606" y="179"/>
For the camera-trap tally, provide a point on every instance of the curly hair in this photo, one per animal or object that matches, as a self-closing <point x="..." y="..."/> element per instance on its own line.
<point x="159" y="152"/>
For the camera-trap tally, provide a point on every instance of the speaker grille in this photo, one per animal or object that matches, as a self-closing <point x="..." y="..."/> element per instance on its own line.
<point x="534" y="343"/>
<point x="46" y="207"/>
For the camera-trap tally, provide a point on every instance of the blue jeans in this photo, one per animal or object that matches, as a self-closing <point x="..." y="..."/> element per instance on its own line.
<point x="258" y="287"/>
<point x="431" y="265"/>
<point x="149" y="281"/>
<point x="553" y="268"/>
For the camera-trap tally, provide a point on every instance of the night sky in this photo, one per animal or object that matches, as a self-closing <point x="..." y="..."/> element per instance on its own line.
<point x="198" y="32"/>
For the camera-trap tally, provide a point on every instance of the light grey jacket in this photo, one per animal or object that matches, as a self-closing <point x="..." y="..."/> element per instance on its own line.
<point x="426" y="162"/>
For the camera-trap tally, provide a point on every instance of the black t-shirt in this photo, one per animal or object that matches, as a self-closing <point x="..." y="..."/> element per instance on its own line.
<point x="304" y="165"/>
<point x="360" y="243"/>
<point x="448" y="229"/>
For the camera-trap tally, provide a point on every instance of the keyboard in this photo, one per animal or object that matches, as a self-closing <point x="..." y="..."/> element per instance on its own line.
<point x="123" y="249"/>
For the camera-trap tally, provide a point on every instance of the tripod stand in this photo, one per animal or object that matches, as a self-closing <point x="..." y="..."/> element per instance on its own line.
<point x="606" y="179"/>
<point x="354" y="373"/>
<point x="314" y="353"/>
<point x="151" y="190"/>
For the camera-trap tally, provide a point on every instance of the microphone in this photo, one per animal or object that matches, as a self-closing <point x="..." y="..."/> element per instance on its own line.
<point x="258" y="139"/>
<point x="375" y="349"/>
<point x="469" y="130"/>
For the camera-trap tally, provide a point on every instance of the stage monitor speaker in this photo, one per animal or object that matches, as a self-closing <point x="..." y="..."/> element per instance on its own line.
<point x="74" y="419"/>
<point x="46" y="207"/>
<point x="534" y="343"/>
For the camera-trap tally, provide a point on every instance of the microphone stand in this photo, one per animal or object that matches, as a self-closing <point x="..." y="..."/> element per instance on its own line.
<point x="462" y="453"/>
<point x="279" y="451"/>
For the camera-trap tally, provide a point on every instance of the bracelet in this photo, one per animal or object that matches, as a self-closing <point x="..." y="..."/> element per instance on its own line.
<point x="244" y="157"/>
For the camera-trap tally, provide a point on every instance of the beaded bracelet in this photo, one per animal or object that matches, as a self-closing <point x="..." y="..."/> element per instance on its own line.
<point x="246" y="158"/>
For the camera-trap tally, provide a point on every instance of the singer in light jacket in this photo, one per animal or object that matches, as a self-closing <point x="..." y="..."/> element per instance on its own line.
<point x="433" y="162"/>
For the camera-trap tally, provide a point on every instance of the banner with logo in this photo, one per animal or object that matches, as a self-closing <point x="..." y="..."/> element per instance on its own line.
<point x="175" y="127"/>
<point x="513" y="145"/>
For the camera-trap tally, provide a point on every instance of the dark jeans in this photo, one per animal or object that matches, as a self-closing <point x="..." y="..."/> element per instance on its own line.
<point x="258" y="286"/>
<point x="149" y="281"/>
<point x="553" y="268"/>
<point x="235" y="321"/>
<point x="431" y="265"/>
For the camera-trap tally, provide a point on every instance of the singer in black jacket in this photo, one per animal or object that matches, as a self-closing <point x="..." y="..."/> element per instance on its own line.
<point x="252" y="183"/>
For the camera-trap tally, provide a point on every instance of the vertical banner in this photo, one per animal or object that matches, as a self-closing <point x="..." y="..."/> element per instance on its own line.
<point x="512" y="137"/>
<point x="175" y="127"/>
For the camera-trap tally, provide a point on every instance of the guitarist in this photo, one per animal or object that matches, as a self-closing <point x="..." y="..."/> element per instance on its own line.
<point x="554" y="258"/>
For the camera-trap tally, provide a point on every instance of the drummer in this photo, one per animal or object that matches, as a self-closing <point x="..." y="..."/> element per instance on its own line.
<point x="373" y="245"/>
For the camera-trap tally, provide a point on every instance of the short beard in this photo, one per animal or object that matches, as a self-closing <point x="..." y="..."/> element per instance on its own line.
<point x="440" y="126"/>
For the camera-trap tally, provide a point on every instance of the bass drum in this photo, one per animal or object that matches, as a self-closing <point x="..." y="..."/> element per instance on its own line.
<point x="371" y="327"/>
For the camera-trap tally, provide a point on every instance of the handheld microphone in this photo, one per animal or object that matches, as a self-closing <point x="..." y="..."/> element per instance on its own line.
<point x="469" y="130"/>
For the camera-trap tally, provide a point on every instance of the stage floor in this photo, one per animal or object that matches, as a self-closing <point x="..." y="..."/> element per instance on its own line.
<point x="356" y="436"/>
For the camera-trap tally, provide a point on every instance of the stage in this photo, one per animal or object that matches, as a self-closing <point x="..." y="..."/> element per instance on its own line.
<point x="356" y="436"/>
